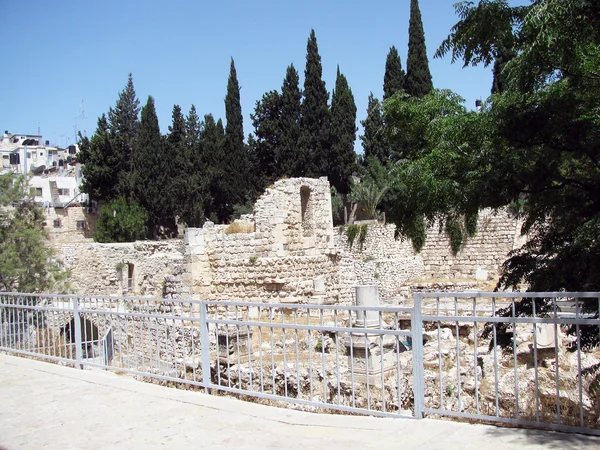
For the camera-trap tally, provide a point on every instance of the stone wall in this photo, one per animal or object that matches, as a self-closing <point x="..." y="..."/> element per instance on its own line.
<point x="72" y="224"/>
<point x="281" y="253"/>
<point x="480" y="256"/>
<point x="273" y="255"/>
<point x="392" y="263"/>
<point x="104" y="269"/>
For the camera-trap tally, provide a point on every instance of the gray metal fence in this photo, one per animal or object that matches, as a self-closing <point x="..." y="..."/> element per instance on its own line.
<point x="530" y="359"/>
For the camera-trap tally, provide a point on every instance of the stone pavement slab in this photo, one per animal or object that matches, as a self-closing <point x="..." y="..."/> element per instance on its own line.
<point x="44" y="405"/>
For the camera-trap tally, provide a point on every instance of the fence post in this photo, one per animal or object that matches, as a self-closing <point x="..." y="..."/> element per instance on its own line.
<point x="204" y="347"/>
<point x="417" y="349"/>
<point x="77" y="333"/>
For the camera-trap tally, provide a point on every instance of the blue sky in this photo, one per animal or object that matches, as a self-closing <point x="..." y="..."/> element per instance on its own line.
<point x="59" y="54"/>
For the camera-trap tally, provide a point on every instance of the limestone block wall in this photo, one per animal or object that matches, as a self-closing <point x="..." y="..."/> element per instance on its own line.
<point x="497" y="234"/>
<point x="392" y="264"/>
<point x="280" y="250"/>
<point x="382" y="260"/>
<point x="72" y="224"/>
<point x="105" y="269"/>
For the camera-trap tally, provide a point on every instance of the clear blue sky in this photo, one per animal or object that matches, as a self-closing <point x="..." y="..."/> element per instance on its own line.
<point x="58" y="53"/>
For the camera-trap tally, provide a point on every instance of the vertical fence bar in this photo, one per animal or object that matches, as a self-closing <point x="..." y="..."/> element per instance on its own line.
<point x="205" y="348"/>
<point x="417" y="348"/>
<point x="77" y="323"/>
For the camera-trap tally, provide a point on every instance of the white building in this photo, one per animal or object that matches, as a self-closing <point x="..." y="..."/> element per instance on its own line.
<point x="26" y="153"/>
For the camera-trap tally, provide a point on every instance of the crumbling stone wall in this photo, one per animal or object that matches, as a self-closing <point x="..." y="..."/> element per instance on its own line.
<point x="276" y="254"/>
<point x="69" y="225"/>
<point x="391" y="263"/>
<point x="287" y="243"/>
<point x="103" y="269"/>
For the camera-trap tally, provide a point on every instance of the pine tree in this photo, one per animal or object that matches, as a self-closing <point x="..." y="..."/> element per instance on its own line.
<point x="148" y="167"/>
<point x="193" y="128"/>
<point x="177" y="169"/>
<point x="212" y="139"/>
<point x="316" y="117"/>
<point x="100" y="163"/>
<point x="373" y="141"/>
<point x="235" y="160"/>
<point x="123" y="121"/>
<point x="195" y="172"/>
<point x="418" y="77"/>
<point x="290" y="164"/>
<point x="393" y="80"/>
<point x="342" y="158"/>
<point x="267" y="127"/>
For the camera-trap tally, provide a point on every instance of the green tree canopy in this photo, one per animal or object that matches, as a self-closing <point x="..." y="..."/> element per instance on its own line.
<point x="535" y="145"/>
<point x="121" y="221"/>
<point x="393" y="79"/>
<point x="108" y="155"/>
<point x="341" y="160"/>
<point x="418" y="77"/>
<point x="373" y="140"/>
<point x="316" y="116"/>
<point x="27" y="263"/>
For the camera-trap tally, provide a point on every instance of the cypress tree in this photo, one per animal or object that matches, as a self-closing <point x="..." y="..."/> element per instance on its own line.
<point x="316" y="117"/>
<point x="100" y="163"/>
<point x="267" y="127"/>
<point x="418" y="77"/>
<point x="195" y="173"/>
<point x="123" y="120"/>
<point x="373" y="141"/>
<point x="148" y="166"/>
<point x="177" y="167"/>
<point x="212" y="140"/>
<point x="342" y="158"/>
<point x="236" y="164"/>
<point x="290" y="163"/>
<point x="393" y="79"/>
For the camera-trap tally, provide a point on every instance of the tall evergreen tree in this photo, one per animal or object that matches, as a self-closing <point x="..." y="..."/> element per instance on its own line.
<point x="193" y="128"/>
<point x="177" y="169"/>
<point x="393" y="79"/>
<point x="123" y="121"/>
<point x="316" y="116"/>
<point x="373" y="141"/>
<point x="342" y="158"/>
<point x="267" y="121"/>
<point x="418" y="77"/>
<point x="212" y="139"/>
<point x="106" y="157"/>
<point x="100" y="163"/>
<point x="290" y="163"/>
<point x="148" y="178"/>
<point x="234" y="143"/>
<point x="195" y="171"/>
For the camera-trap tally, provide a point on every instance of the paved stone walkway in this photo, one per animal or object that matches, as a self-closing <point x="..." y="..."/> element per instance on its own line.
<point x="44" y="405"/>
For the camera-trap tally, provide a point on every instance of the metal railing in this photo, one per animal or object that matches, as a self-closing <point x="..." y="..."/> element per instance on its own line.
<point x="527" y="359"/>
<point x="317" y="357"/>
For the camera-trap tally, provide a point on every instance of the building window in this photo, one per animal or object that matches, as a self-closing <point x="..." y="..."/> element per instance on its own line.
<point x="35" y="192"/>
<point x="66" y="192"/>
<point x="81" y="225"/>
<point x="57" y="223"/>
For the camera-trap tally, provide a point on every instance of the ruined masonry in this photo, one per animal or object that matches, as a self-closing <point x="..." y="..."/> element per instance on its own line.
<point x="288" y="251"/>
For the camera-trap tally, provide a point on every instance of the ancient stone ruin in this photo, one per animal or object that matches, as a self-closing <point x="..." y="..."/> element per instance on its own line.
<point x="289" y="251"/>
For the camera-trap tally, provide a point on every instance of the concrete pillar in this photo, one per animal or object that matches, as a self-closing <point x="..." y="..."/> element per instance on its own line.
<point x="367" y="295"/>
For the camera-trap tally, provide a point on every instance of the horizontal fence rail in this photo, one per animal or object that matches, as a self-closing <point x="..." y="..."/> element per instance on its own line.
<point x="347" y="358"/>
<point x="529" y="359"/>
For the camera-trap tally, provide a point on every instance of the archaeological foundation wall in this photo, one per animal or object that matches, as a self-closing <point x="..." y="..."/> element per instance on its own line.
<point x="288" y="251"/>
